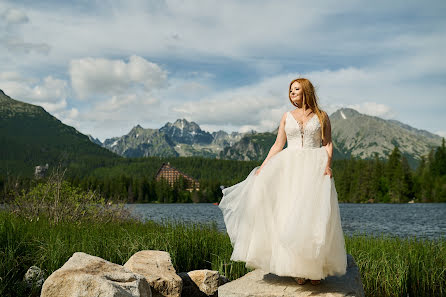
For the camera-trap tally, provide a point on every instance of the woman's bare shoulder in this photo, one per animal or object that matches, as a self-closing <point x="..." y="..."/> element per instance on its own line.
<point x="325" y="114"/>
<point x="284" y="116"/>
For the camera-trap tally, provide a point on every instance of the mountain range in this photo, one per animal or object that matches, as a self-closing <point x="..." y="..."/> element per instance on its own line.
<point x="29" y="133"/>
<point x="354" y="135"/>
<point x="181" y="138"/>
<point x="358" y="135"/>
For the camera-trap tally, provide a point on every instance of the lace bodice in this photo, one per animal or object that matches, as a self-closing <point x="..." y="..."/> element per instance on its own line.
<point x="308" y="137"/>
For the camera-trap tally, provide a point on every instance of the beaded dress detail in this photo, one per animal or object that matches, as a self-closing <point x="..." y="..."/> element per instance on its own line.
<point x="307" y="136"/>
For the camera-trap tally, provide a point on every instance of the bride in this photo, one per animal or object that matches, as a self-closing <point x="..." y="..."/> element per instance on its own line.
<point x="284" y="217"/>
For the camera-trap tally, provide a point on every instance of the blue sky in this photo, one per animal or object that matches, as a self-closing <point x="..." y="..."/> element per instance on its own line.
<point x="106" y="66"/>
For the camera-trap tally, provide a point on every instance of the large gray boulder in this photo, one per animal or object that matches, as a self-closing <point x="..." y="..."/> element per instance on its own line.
<point x="157" y="268"/>
<point x="259" y="283"/>
<point x="86" y="275"/>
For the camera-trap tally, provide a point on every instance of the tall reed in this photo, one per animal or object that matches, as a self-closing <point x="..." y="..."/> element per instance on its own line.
<point x="393" y="266"/>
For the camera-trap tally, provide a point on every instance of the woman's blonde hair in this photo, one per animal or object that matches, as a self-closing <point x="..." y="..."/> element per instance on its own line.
<point x="309" y="100"/>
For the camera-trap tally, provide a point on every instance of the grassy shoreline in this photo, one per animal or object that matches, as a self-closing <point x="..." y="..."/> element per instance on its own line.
<point x="389" y="266"/>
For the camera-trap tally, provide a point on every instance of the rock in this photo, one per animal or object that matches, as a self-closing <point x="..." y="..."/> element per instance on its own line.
<point x="259" y="283"/>
<point x="86" y="275"/>
<point x="201" y="282"/>
<point x="157" y="268"/>
<point x="34" y="277"/>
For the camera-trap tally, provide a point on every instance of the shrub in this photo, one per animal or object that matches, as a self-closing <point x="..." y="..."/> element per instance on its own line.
<point x="59" y="201"/>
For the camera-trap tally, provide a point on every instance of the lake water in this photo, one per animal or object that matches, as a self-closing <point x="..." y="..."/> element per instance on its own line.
<point x="423" y="220"/>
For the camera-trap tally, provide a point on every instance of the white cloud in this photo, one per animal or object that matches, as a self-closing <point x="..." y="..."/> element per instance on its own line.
<point x="116" y="103"/>
<point x="197" y="30"/>
<point x="11" y="76"/>
<point x="73" y="113"/>
<point x="11" y="36"/>
<point x="116" y="115"/>
<point x="91" y="76"/>
<point x="119" y="93"/>
<point x="374" y="109"/>
<point x="53" y="107"/>
<point x="259" y="106"/>
<point x="69" y="117"/>
<point x="261" y="32"/>
<point x="50" y="90"/>
<point x="51" y="93"/>
<point x="15" y="44"/>
<point x="441" y="133"/>
<point x="376" y="59"/>
<point x="374" y="91"/>
<point x="193" y="88"/>
<point x="14" y="16"/>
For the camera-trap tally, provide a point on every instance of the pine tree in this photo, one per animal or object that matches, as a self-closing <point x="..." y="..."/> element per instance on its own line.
<point x="439" y="162"/>
<point x="395" y="176"/>
<point x="407" y="187"/>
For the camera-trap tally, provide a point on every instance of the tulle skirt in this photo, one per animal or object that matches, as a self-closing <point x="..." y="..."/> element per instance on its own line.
<point x="286" y="220"/>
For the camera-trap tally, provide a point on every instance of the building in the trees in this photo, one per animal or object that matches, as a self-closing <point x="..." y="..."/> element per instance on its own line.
<point x="172" y="174"/>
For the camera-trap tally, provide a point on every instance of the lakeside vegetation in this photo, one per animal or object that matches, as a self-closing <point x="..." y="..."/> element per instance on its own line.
<point x="45" y="226"/>
<point x="357" y="181"/>
<point x="388" y="266"/>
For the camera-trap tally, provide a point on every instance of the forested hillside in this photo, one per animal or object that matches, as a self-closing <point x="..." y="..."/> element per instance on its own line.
<point x="392" y="181"/>
<point x="29" y="136"/>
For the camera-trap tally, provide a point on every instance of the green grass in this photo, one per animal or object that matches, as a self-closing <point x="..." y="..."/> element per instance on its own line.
<point x="388" y="266"/>
<point x="392" y="266"/>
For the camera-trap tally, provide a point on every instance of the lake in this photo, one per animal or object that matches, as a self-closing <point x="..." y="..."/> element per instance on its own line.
<point x="423" y="220"/>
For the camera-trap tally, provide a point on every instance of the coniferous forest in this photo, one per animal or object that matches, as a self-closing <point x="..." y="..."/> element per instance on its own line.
<point x="357" y="181"/>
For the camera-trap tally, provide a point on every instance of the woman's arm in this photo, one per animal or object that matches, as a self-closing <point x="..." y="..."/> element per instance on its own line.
<point x="278" y="144"/>
<point x="328" y="144"/>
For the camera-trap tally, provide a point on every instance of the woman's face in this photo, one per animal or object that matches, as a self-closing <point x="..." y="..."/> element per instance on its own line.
<point x="296" y="93"/>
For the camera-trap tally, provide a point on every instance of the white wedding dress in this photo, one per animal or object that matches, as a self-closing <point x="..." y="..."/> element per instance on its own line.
<point x="286" y="219"/>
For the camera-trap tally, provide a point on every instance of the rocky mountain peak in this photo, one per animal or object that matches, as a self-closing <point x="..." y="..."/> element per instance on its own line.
<point x="223" y="138"/>
<point x="94" y="140"/>
<point x="219" y="133"/>
<point x="183" y="131"/>
<point x="184" y="124"/>
<point x="137" y="128"/>
<point x="345" y="113"/>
